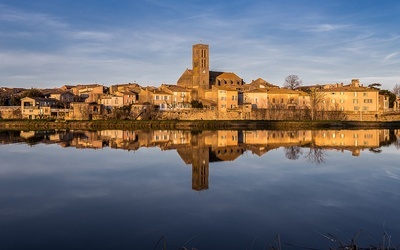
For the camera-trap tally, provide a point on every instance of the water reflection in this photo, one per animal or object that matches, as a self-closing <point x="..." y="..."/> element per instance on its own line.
<point x="200" y="148"/>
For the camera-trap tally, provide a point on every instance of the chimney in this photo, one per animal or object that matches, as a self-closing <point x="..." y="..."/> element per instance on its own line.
<point x="355" y="83"/>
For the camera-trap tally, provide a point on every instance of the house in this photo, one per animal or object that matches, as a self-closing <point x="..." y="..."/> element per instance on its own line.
<point x="283" y="98"/>
<point x="383" y="103"/>
<point x="89" y="93"/>
<point x="111" y="101"/>
<point x="257" y="97"/>
<point x="181" y="97"/>
<point x="84" y="111"/>
<point x="259" y="83"/>
<point x="226" y="98"/>
<point x="128" y="97"/>
<point x="37" y="107"/>
<point x="63" y="96"/>
<point x="350" y="98"/>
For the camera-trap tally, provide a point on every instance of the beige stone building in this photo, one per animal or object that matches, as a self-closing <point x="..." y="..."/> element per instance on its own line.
<point x="89" y="92"/>
<point x="200" y="79"/>
<point x="37" y="107"/>
<point x="225" y="98"/>
<point x="180" y="96"/>
<point x="84" y="111"/>
<point x="353" y="98"/>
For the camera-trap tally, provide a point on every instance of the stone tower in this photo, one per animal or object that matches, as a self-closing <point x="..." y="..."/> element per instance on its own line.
<point x="201" y="68"/>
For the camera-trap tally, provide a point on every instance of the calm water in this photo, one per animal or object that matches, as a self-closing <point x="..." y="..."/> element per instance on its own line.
<point x="205" y="190"/>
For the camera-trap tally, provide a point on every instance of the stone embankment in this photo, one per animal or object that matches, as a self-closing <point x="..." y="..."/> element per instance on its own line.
<point x="191" y="125"/>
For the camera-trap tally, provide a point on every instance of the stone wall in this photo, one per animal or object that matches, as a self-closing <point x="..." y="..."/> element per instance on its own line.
<point x="277" y="115"/>
<point x="10" y="112"/>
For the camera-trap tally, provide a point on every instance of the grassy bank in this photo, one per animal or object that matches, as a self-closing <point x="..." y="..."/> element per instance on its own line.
<point x="190" y="125"/>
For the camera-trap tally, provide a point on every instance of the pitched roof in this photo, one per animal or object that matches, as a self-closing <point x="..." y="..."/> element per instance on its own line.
<point x="224" y="75"/>
<point x="349" y="88"/>
<point x="256" y="91"/>
<point x="282" y="91"/>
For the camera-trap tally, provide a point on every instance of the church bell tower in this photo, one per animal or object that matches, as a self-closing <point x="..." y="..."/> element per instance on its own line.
<point x="201" y="68"/>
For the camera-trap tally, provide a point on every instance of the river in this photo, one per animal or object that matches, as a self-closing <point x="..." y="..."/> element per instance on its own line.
<point x="222" y="189"/>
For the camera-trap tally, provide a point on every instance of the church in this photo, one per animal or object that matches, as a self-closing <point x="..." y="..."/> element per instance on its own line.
<point x="200" y="79"/>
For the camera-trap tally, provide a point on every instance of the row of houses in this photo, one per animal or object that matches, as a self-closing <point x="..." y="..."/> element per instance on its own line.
<point x="93" y="102"/>
<point x="199" y="87"/>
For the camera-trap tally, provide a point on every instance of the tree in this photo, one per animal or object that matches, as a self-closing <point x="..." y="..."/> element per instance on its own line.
<point x="316" y="98"/>
<point x="292" y="82"/>
<point x="196" y="104"/>
<point x="375" y="85"/>
<point x="293" y="152"/>
<point x="32" y="93"/>
<point x="396" y="90"/>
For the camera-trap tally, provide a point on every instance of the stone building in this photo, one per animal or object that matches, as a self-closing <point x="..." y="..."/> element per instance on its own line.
<point x="200" y="79"/>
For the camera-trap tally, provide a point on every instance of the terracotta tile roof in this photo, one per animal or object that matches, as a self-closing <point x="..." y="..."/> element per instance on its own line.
<point x="349" y="89"/>
<point x="256" y="91"/>
<point x="224" y="75"/>
<point x="282" y="91"/>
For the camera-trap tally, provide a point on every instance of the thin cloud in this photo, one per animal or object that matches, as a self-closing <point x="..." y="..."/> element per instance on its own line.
<point x="326" y="27"/>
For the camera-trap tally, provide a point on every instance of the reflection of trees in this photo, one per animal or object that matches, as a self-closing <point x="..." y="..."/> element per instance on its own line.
<point x="293" y="152"/>
<point x="315" y="154"/>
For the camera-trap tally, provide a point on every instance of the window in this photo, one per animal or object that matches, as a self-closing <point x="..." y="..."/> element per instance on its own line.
<point x="367" y="100"/>
<point x="165" y="97"/>
<point x="356" y="108"/>
<point x="341" y="101"/>
<point x="333" y="100"/>
<point x="157" y="97"/>
<point x="355" y="101"/>
<point x="341" y="93"/>
<point x="223" y="106"/>
<point x="365" y="108"/>
<point x="355" y="93"/>
<point x="365" y="94"/>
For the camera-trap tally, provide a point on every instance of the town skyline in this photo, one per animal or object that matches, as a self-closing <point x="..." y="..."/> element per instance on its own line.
<point x="51" y="44"/>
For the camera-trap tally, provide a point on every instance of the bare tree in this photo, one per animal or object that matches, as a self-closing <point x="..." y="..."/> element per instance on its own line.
<point x="293" y="152"/>
<point x="292" y="82"/>
<point x="316" y="99"/>
<point x="396" y="89"/>
<point x="315" y="154"/>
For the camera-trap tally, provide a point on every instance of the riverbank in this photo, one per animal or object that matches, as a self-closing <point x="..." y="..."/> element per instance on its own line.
<point x="191" y="125"/>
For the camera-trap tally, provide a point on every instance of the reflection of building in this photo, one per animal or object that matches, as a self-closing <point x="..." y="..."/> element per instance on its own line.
<point x="352" y="140"/>
<point x="199" y="149"/>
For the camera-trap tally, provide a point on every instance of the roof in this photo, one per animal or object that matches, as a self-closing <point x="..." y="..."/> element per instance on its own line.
<point x="260" y="81"/>
<point x="256" y="91"/>
<point x="208" y="103"/>
<point x="227" y="88"/>
<point x="349" y="88"/>
<point x="224" y="75"/>
<point x="282" y="91"/>
<point x="175" y="88"/>
<point x="161" y="92"/>
<point x="41" y="99"/>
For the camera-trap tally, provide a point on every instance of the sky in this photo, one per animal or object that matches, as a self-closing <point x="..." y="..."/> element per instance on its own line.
<point x="49" y="43"/>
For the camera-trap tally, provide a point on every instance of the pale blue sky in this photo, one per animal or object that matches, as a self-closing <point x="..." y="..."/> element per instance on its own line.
<point x="50" y="43"/>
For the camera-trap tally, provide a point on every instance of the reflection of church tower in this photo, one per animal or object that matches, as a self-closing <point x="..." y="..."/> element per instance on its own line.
<point x="201" y="68"/>
<point x="200" y="169"/>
